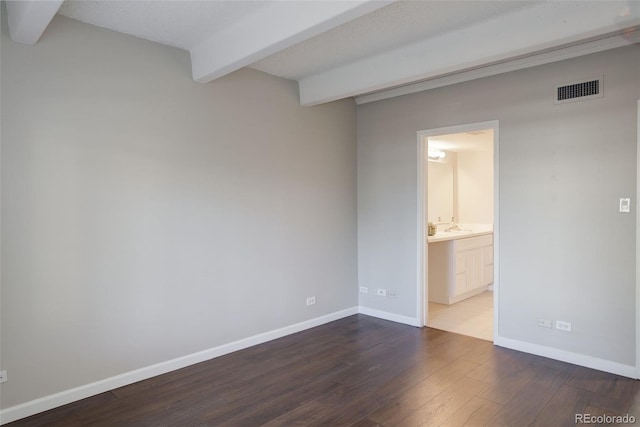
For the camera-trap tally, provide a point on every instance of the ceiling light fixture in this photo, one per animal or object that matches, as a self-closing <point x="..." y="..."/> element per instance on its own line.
<point x="435" y="154"/>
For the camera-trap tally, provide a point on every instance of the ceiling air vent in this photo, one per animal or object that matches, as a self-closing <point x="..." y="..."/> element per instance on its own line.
<point x="579" y="91"/>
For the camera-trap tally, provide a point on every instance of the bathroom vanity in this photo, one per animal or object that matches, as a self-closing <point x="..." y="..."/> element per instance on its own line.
<point x="460" y="265"/>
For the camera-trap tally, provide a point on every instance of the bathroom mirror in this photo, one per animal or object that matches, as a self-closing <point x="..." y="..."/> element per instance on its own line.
<point x="439" y="192"/>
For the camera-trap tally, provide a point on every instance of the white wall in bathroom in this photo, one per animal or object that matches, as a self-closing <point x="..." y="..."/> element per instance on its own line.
<point x="475" y="187"/>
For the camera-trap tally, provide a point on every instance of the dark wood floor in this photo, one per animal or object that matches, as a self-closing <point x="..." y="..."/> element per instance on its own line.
<point x="360" y="371"/>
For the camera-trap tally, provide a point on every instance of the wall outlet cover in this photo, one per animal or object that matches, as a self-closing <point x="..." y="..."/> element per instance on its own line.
<point x="625" y="205"/>
<point x="545" y="323"/>
<point x="563" y="326"/>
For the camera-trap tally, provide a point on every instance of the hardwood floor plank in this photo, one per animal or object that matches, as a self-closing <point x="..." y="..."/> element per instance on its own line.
<point x="634" y="409"/>
<point x="271" y="386"/>
<point x="377" y="367"/>
<point x="412" y="376"/>
<point x="476" y="412"/>
<point x="302" y="415"/>
<point x="480" y="353"/>
<point x="413" y="398"/>
<point x="452" y="346"/>
<point x="507" y="371"/>
<point x="435" y="411"/>
<point x="554" y="364"/>
<point x="366" y="422"/>
<point x="561" y="409"/>
<point x="503" y="362"/>
<point x="587" y="379"/>
<point x="615" y="394"/>
<point x="351" y="411"/>
<point x="529" y="401"/>
<point x="504" y="385"/>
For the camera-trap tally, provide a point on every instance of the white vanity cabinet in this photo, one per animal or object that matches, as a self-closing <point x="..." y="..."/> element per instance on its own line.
<point x="460" y="268"/>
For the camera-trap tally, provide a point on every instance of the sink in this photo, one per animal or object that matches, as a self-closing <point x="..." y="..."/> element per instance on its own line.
<point x="454" y="232"/>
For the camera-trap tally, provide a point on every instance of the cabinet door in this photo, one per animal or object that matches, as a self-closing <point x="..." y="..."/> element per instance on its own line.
<point x="461" y="262"/>
<point x="487" y="253"/>
<point x="487" y="263"/>
<point x="460" y="286"/>
<point x="470" y="268"/>
<point x="474" y="269"/>
<point x="487" y="275"/>
<point x="463" y="272"/>
<point x="473" y="264"/>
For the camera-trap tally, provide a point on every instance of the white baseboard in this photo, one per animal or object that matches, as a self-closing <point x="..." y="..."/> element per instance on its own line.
<point x="569" y="357"/>
<point x="62" y="398"/>
<point x="411" y="321"/>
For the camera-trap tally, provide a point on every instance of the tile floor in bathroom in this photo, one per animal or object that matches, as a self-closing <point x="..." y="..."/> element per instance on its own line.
<point x="472" y="317"/>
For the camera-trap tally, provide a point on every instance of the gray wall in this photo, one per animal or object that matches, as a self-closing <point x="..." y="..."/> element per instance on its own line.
<point x="565" y="251"/>
<point x="147" y="217"/>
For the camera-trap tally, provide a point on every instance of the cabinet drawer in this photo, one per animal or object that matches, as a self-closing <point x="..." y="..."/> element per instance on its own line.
<point x="473" y="242"/>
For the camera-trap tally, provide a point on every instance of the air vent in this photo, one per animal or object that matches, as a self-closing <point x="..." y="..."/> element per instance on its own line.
<point x="579" y="91"/>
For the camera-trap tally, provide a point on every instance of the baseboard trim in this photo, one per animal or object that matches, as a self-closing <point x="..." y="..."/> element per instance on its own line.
<point x="398" y="318"/>
<point x="569" y="357"/>
<point x="62" y="398"/>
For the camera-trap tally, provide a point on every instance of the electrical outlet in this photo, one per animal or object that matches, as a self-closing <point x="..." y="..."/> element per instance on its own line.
<point x="544" y="323"/>
<point x="381" y="292"/>
<point x="563" y="326"/>
<point x="311" y="300"/>
<point x="364" y="290"/>
<point x="3" y="377"/>
<point x="625" y="205"/>
<point x="392" y="294"/>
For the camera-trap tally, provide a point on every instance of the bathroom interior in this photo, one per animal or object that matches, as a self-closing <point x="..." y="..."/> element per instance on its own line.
<point x="460" y="214"/>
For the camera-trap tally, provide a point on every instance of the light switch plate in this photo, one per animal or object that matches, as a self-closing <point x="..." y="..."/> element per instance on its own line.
<point x="625" y="205"/>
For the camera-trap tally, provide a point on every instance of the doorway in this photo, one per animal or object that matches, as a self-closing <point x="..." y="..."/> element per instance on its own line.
<point x="458" y="204"/>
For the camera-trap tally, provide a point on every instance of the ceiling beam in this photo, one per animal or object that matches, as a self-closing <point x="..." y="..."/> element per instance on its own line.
<point x="28" y="19"/>
<point x="270" y="30"/>
<point x="625" y="38"/>
<point x="515" y="35"/>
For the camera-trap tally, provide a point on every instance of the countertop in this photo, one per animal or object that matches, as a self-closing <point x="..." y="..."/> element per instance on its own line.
<point x="443" y="236"/>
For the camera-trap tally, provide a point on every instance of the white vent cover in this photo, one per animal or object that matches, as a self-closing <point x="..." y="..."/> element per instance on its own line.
<point x="579" y="91"/>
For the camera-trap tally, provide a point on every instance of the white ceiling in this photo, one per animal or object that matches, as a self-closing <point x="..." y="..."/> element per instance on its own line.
<point x="181" y="24"/>
<point x="342" y="48"/>
<point x="394" y="25"/>
<point x="481" y="140"/>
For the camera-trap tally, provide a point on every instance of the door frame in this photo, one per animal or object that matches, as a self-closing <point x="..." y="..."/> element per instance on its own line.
<point x="422" y="285"/>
